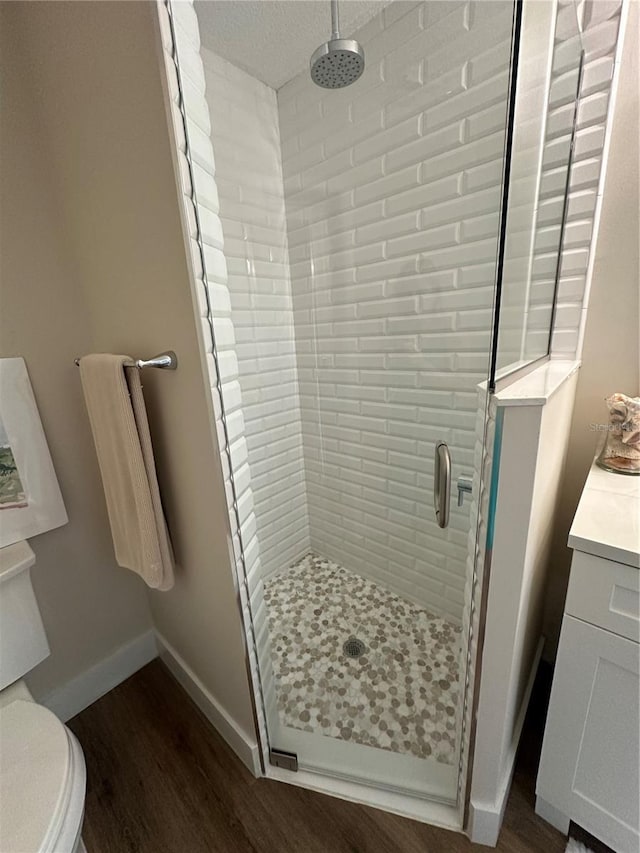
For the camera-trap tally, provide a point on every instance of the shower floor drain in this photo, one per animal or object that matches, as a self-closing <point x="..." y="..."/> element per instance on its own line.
<point x="354" y="648"/>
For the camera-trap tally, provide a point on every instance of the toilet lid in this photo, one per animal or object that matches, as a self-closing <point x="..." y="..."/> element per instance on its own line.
<point x="35" y="770"/>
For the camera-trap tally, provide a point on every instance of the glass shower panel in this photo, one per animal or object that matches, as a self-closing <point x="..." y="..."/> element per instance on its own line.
<point x="392" y="194"/>
<point x="353" y="319"/>
<point x="550" y="62"/>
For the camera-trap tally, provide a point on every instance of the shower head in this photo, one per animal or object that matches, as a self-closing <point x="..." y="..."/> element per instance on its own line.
<point x="338" y="62"/>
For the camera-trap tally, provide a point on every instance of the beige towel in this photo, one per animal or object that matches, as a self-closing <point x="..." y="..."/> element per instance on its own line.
<point x="118" y="418"/>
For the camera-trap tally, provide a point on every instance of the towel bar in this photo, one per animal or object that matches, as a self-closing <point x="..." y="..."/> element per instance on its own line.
<point x="166" y="360"/>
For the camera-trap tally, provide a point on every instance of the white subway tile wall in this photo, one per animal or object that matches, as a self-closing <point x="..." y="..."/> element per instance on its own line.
<point x="393" y="193"/>
<point x="600" y="22"/>
<point x="246" y="144"/>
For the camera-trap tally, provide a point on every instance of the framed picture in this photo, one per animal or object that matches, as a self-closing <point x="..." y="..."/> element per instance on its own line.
<point x="30" y="498"/>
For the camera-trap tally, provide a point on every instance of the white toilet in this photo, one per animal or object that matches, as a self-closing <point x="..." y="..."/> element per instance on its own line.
<point x="42" y="770"/>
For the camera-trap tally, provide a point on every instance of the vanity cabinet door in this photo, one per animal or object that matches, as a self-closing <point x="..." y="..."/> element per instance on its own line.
<point x="591" y="751"/>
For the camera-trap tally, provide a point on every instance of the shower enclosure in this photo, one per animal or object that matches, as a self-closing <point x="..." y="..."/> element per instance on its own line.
<point x="374" y="256"/>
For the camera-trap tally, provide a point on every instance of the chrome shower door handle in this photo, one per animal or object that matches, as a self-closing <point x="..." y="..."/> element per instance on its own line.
<point x="442" y="483"/>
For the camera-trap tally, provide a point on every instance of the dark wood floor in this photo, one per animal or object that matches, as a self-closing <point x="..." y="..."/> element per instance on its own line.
<point x="161" y="780"/>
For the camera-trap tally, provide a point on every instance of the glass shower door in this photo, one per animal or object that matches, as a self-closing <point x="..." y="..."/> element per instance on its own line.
<point x="392" y="240"/>
<point x="365" y="231"/>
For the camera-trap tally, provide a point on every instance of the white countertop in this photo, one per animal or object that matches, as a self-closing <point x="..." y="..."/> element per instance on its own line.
<point x="607" y="521"/>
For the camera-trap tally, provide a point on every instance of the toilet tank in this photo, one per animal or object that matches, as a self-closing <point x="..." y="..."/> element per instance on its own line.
<point x="23" y="642"/>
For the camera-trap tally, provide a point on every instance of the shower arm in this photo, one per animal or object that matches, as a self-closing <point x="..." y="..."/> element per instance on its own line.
<point x="335" y="21"/>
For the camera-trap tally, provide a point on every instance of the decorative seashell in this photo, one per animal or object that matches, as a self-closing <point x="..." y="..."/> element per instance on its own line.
<point x="621" y="451"/>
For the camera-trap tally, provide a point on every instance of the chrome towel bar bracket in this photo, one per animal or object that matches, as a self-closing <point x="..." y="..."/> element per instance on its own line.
<point x="166" y="360"/>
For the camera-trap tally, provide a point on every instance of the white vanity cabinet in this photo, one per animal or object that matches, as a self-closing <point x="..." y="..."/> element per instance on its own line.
<point x="590" y="764"/>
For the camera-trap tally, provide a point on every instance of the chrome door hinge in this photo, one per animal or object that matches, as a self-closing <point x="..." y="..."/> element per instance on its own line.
<point x="284" y="760"/>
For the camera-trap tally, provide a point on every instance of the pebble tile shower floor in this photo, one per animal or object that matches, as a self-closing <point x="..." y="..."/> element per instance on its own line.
<point x="400" y="695"/>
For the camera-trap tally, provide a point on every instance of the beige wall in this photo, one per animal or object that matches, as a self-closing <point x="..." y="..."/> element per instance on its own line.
<point x="89" y="605"/>
<point x="96" y="88"/>
<point x="610" y="359"/>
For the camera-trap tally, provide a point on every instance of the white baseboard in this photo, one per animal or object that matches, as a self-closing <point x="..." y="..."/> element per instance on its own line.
<point x="553" y="815"/>
<point x="485" y="819"/>
<point x="245" y="747"/>
<point x="86" y="688"/>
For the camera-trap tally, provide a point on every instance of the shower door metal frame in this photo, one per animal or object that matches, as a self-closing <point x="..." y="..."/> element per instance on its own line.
<point x="481" y="573"/>
<point x="253" y="671"/>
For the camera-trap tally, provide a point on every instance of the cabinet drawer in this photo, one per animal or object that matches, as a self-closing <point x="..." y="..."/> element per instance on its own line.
<point x="606" y="594"/>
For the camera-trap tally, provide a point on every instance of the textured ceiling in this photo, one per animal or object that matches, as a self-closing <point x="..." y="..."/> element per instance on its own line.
<point x="273" y="39"/>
